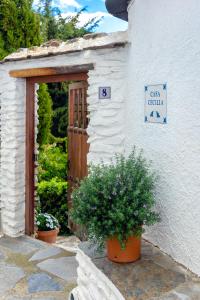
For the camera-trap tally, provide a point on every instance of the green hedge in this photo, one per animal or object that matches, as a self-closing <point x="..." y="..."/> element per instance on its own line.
<point x="53" y="200"/>
<point x="52" y="163"/>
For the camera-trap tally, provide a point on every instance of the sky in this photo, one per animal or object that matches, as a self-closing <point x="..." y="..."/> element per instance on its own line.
<point x="95" y="8"/>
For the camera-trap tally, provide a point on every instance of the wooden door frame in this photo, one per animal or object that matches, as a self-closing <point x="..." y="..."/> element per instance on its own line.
<point x="30" y="134"/>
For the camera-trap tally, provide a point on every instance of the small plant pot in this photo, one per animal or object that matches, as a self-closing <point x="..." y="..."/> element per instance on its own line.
<point x="47" y="236"/>
<point x="130" y="253"/>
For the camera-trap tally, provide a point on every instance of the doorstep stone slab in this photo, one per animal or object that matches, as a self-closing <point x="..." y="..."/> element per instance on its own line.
<point x="92" y="250"/>
<point x="176" y="296"/>
<point x="154" y="277"/>
<point x="17" y="298"/>
<point x="20" y="245"/>
<point x="64" y="267"/>
<point x="1" y="256"/>
<point x="45" y="253"/>
<point x="30" y="298"/>
<point x="8" y="281"/>
<point x="32" y="242"/>
<point x="187" y="291"/>
<point x="69" y="243"/>
<point x="42" y="282"/>
<point x="140" y="280"/>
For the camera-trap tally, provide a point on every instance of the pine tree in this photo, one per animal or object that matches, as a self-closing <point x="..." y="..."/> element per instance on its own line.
<point x="54" y="26"/>
<point x="19" y="26"/>
<point x="44" y="114"/>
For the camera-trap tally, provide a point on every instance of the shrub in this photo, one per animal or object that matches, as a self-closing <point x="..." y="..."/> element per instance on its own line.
<point x="52" y="163"/>
<point x="116" y="199"/>
<point x="53" y="200"/>
<point x="45" y="114"/>
<point x="59" y="142"/>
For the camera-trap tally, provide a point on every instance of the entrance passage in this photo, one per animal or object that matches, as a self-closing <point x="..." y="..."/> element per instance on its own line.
<point x="77" y="137"/>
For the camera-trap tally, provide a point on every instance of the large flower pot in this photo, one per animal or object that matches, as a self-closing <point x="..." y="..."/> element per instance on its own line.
<point x="130" y="253"/>
<point x="47" y="236"/>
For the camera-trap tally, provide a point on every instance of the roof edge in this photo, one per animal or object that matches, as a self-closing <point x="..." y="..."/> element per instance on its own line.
<point x="118" y="8"/>
<point x="54" y="48"/>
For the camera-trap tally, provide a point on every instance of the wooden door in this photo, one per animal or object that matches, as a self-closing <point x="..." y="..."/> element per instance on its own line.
<point x="77" y="137"/>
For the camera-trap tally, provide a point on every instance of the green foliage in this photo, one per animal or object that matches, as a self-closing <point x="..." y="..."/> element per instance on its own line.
<point x="52" y="186"/>
<point x="22" y="27"/>
<point x="116" y="199"/>
<point x="19" y="26"/>
<point x="44" y="114"/>
<point x="48" y="21"/>
<point x="59" y="94"/>
<point x="60" y="121"/>
<point x="54" y="26"/>
<point x="52" y="163"/>
<point x="68" y="27"/>
<point x="53" y="200"/>
<point x="59" y="142"/>
<point x="46" y="222"/>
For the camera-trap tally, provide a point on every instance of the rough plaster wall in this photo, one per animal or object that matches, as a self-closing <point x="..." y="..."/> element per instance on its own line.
<point x="92" y="283"/>
<point x="106" y="129"/>
<point x="12" y="94"/>
<point x="106" y="126"/>
<point x="166" y="49"/>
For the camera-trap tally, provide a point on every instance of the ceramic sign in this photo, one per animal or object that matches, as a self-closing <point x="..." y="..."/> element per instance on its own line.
<point x="105" y="92"/>
<point x="156" y="103"/>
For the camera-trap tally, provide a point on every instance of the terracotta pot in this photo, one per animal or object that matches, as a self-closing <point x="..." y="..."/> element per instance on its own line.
<point x="47" y="236"/>
<point x="131" y="253"/>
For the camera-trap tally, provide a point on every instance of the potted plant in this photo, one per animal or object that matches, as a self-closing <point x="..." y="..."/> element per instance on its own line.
<point x="47" y="227"/>
<point x="114" y="203"/>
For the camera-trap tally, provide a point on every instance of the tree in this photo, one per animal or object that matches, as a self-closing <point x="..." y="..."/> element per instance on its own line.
<point x="59" y="95"/>
<point x="19" y="26"/>
<point x="48" y="15"/>
<point x="68" y="28"/>
<point x="44" y="114"/>
<point x="54" y="26"/>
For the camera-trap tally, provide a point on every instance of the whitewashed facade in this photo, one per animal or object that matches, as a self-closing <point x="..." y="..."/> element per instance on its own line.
<point x="163" y="48"/>
<point x="106" y="128"/>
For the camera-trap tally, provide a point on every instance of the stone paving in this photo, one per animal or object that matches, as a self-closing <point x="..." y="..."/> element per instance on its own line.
<point x="154" y="277"/>
<point x="31" y="269"/>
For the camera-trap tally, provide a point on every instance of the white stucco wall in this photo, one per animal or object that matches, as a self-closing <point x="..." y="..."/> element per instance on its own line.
<point x="106" y="131"/>
<point x="92" y="284"/>
<point x="12" y="95"/>
<point x="166" y="49"/>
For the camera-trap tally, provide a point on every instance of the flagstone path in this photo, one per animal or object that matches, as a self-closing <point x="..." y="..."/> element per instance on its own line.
<point x="155" y="276"/>
<point x="31" y="269"/>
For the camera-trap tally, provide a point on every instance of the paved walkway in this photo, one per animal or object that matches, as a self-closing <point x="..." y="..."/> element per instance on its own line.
<point x="31" y="269"/>
<point x="154" y="277"/>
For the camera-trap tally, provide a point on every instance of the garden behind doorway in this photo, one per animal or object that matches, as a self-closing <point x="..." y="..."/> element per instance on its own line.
<point x="77" y="135"/>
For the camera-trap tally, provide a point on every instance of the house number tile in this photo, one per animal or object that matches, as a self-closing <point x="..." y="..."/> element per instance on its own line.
<point x="105" y="92"/>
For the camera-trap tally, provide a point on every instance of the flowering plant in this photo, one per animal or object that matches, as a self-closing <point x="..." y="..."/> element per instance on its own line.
<point x="116" y="199"/>
<point x="46" y="222"/>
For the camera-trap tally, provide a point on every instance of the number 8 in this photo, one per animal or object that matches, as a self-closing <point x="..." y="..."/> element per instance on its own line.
<point x="104" y="92"/>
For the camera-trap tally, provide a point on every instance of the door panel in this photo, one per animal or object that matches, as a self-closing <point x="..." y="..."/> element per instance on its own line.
<point x="77" y="138"/>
